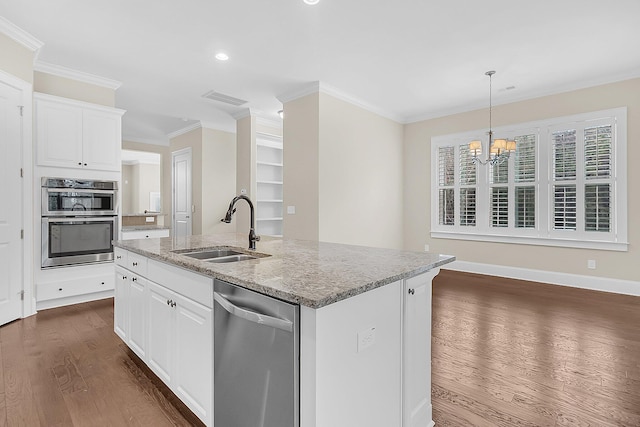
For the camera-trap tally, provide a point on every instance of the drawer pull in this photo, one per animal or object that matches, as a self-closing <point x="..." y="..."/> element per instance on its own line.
<point x="135" y="264"/>
<point x="118" y="257"/>
<point x="412" y="291"/>
<point x="134" y="279"/>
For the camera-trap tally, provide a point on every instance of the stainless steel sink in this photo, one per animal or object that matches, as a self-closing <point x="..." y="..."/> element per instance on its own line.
<point x="232" y="258"/>
<point x="212" y="253"/>
<point x="219" y="255"/>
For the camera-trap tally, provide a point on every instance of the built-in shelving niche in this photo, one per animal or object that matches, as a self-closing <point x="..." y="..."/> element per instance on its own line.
<point x="269" y="211"/>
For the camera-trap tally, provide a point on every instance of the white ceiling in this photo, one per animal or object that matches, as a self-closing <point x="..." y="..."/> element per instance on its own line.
<point x="405" y="59"/>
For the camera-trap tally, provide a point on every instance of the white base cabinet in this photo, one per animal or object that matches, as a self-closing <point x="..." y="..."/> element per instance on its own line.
<point x="168" y="323"/>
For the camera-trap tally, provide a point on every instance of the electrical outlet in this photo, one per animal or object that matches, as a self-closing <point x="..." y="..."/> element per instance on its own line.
<point x="366" y="339"/>
<point x="591" y="264"/>
<point x="149" y="219"/>
<point x="291" y="210"/>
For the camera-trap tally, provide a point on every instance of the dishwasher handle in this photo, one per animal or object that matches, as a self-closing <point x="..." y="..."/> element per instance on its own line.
<point x="252" y="316"/>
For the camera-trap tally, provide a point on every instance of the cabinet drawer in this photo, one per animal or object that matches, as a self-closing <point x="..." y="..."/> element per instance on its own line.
<point x="144" y="234"/>
<point x="137" y="263"/>
<point x="191" y="285"/>
<point x="120" y="257"/>
<point x="73" y="287"/>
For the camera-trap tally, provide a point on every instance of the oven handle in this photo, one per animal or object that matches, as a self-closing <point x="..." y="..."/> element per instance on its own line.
<point x="78" y="190"/>
<point x="78" y="219"/>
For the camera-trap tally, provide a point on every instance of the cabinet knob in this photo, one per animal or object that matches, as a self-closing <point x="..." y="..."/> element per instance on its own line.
<point x="59" y="289"/>
<point x="85" y="164"/>
<point x="79" y="163"/>
<point x="118" y="257"/>
<point x="102" y="283"/>
<point x="135" y="264"/>
<point x="412" y="291"/>
<point x="124" y="277"/>
<point x="146" y="237"/>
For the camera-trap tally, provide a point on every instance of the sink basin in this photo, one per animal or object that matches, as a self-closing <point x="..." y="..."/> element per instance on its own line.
<point x="219" y="254"/>
<point x="213" y="253"/>
<point x="232" y="258"/>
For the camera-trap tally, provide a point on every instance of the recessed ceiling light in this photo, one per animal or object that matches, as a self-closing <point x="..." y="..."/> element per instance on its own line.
<point x="311" y="1"/>
<point x="221" y="56"/>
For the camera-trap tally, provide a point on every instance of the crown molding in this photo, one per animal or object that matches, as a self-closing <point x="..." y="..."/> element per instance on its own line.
<point x="18" y="34"/>
<point x="319" y="87"/>
<point x="163" y="142"/>
<point x="57" y="70"/>
<point x="187" y="129"/>
<point x="263" y="121"/>
<point x="246" y="112"/>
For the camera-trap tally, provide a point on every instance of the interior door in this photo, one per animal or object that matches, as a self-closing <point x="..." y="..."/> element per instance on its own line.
<point x="181" y="172"/>
<point x="11" y="205"/>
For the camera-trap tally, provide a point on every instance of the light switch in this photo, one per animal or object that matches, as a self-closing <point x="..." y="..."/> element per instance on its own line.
<point x="148" y="218"/>
<point x="291" y="210"/>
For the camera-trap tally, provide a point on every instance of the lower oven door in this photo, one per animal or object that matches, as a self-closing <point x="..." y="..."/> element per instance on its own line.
<point x="75" y="240"/>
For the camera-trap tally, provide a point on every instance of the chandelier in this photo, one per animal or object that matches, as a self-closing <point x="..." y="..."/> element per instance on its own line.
<point x="499" y="149"/>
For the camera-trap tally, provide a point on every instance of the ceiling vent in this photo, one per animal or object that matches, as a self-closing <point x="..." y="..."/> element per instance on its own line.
<point x="221" y="97"/>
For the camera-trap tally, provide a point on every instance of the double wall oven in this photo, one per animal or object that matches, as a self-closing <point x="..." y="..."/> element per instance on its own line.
<point x="79" y="221"/>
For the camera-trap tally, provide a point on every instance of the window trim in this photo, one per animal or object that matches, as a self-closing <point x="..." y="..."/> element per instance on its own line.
<point x="543" y="233"/>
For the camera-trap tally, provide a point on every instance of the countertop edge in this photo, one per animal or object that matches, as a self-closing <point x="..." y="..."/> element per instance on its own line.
<point x="287" y="296"/>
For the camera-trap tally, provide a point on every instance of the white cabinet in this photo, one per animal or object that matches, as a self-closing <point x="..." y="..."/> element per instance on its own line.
<point x="180" y="347"/>
<point x="417" y="409"/>
<point x="145" y="234"/>
<point x="74" y="134"/>
<point x="169" y="326"/>
<point x="121" y="304"/>
<point x="269" y="181"/>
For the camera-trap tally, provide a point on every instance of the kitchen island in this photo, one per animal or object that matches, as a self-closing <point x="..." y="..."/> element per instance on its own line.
<point x="364" y="329"/>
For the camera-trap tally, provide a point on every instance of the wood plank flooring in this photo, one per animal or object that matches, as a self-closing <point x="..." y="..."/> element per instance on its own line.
<point x="505" y="353"/>
<point x="515" y="353"/>
<point x="66" y="367"/>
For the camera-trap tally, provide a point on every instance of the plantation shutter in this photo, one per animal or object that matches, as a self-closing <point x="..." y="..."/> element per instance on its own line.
<point x="525" y="173"/>
<point x="564" y="170"/>
<point x="446" y="182"/>
<point x="597" y="189"/>
<point x="468" y="179"/>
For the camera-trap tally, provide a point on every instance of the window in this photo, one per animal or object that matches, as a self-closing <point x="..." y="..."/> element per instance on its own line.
<point x="565" y="185"/>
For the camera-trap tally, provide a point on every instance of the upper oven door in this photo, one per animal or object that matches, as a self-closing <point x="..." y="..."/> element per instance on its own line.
<point x="75" y="201"/>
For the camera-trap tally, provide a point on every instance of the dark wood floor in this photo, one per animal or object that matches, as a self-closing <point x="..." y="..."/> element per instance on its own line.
<point x="515" y="353"/>
<point x="505" y="353"/>
<point x="66" y="367"/>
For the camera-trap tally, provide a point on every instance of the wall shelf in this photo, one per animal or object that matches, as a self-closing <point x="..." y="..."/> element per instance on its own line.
<point x="269" y="183"/>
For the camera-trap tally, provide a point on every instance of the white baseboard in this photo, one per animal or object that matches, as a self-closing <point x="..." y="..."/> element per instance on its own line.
<point x="604" y="284"/>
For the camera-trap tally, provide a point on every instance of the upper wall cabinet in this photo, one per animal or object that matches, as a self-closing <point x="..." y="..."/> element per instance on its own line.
<point x="74" y="134"/>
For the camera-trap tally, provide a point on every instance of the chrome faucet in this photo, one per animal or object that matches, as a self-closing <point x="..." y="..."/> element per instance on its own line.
<point x="253" y="238"/>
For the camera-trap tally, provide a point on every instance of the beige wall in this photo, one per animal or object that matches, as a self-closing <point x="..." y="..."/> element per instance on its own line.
<point x="147" y="180"/>
<point x="301" y="138"/>
<point x="73" y="89"/>
<point x="417" y="186"/>
<point x="360" y="170"/>
<point x="219" y="179"/>
<point x="342" y="172"/>
<point x="16" y="59"/>
<point x="127" y="188"/>
<point x="245" y="169"/>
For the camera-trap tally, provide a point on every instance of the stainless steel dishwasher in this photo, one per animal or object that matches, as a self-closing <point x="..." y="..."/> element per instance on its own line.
<point x="256" y="359"/>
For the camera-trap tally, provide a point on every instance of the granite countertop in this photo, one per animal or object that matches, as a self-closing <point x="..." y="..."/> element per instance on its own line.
<point x="313" y="274"/>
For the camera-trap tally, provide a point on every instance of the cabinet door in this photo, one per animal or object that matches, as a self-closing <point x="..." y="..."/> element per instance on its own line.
<point x="102" y="139"/>
<point x="417" y="350"/>
<point x="193" y="363"/>
<point x="121" y="304"/>
<point x="161" y="332"/>
<point x="58" y="134"/>
<point x="137" y="314"/>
